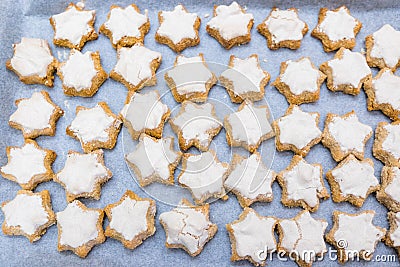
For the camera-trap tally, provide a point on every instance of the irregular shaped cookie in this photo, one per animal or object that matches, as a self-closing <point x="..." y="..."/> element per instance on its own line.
<point x="83" y="175"/>
<point x="28" y="214"/>
<point x="297" y="131"/>
<point x="79" y="228"/>
<point x="302" y="238"/>
<point x="28" y="165"/>
<point x="345" y="135"/>
<point x="383" y="94"/>
<point x="73" y="27"/>
<point x="353" y="180"/>
<point x="196" y="125"/>
<point x="95" y="127"/>
<point x="154" y="160"/>
<point x="230" y="25"/>
<point x="188" y="227"/>
<point x="386" y="146"/>
<point x="131" y="219"/>
<point x="354" y="235"/>
<point x="346" y="72"/>
<point x="244" y="79"/>
<point x="392" y="238"/>
<point x="203" y="175"/>
<point x="33" y="61"/>
<point x="136" y="67"/>
<point x="302" y="184"/>
<point x="250" y="235"/>
<point x="81" y="74"/>
<point x="299" y="81"/>
<point x="190" y="79"/>
<point x="248" y="127"/>
<point x="336" y="28"/>
<point x="125" y="26"/>
<point x="382" y="51"/>
<point x="283" y="28"/>
<point x="178" y="29"/>
<point x="389" y="194"/>
<point x="250" y="180"/>
<point x="153" y="114"/>
<point x="36" y="115"/>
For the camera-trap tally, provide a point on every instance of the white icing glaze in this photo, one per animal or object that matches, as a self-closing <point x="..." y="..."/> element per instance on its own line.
<point x="338" y="25"/>
<point x="73" y="24"/>
<point x="253" y="235"/>
<point x="186" y="226"/>
<point x="79" y="70"/>
<point x="249" y="124"/>
<point x="91" y="124"/>
<point x="298" y="128"/>
<point x="32" y="57"/>
<point x="245" y="74"/>
<point x="153" y="157"/>
<point x="130" y="217"/>
<point x="230" y="21"/>
<point x="358" y="232"/>
<point x="33" y="113"/>
<point x="386" y="41"/>
<point x="25" y="162"/>
<point x="284" y="25"/>
<point x="195" y="121"/>
<point x="300" y="76"/>
<point x="78" y="226"/>
<point x="350" y="69"/>
<point x="134" y="63"/>
<point x="177" y="24"/>
<point x="25" y="211"/>
<point x="355" y="178"/>
<point x="349" y="132"/>
<point x="386" y="89"/>
<point x="303" y="182"/>
<point x="125" y="22"/>
<point x="392" y="189"/>
<point x="395" y="236"/>
<point x="391" y="143"/>
<point x="251" y="178"/>
<point x="150" y="108"/>
<point x="82" y="172"/>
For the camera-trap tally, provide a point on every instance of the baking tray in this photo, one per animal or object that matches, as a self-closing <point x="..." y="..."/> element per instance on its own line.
<point x="29" y="18"/>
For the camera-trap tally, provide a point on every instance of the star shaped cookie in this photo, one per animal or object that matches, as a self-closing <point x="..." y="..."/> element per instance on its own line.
<point x="190" y="79"/>
<point x="28" y="165"/>
<point x="95" y="127"/>
<point x="73" y="27"/>
<point x="248" y="127"/>
<point x="388" y="193"/>
<point x="195" y="125"/>
<point x="231" y="25"/>
<point x="345" y="135"/>
<point x="125" y="26"/>
<point x="203" y="175"/>
<point x="83" y="175"/>
<point x="336" y="28"/>
<point x="28" y="214"/>
<point x="250" y="180"/>
<point x="386" y="146"/>
<point x="244" y="79"/>
<point x="297" y="131"/>
<point x="178" y="29"/>
<point x="79" y="228"/>
<point x="302" y="184"/>
<point x="33" y="62"/>
<point x="154" y="160"/>
<point x="283" y="28"/>
<point x="136" y="67"/>
<point x="354" y="235"/>
<point x="188" y="227"/>
<point x="250" y="235"/>
<point x="392" y="238"/>
<point x="36" y="115"/>
<point x="131" y="219"/>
